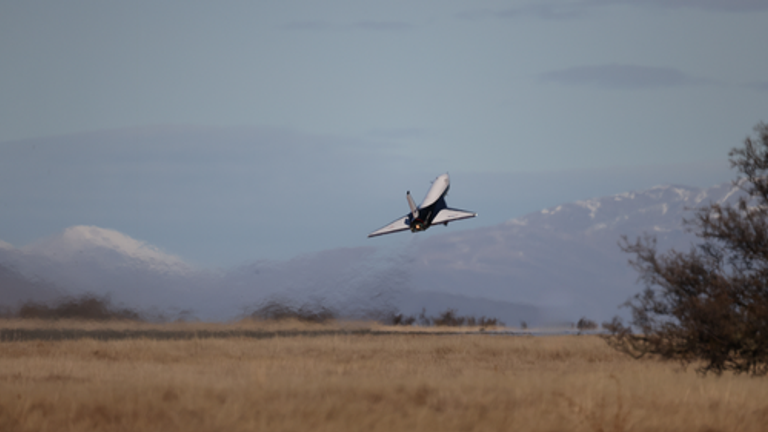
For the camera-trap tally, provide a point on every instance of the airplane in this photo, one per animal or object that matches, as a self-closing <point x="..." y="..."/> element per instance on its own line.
<point x="432" y="211"/>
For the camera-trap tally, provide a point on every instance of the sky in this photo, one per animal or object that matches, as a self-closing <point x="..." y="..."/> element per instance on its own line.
<point x="232" y="131"/>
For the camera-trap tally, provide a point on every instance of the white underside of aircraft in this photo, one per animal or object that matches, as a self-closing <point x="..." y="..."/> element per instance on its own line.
<point x="432" y="211"/>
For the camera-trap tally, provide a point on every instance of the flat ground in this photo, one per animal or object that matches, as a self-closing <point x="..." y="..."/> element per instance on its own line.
<point x="356" y="381"/>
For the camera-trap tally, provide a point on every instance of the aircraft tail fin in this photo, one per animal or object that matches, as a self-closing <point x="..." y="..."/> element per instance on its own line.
<point x="412" y="205"/>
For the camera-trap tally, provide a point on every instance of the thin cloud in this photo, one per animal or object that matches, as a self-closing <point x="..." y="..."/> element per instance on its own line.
<point x="397" y="133"/>
<point x="618" y="76"/>
<point x="365" y="25"/>
<point x="382" y="25"/>
<point x="578" y="9"/>
<point x="546" y="11"/>
<point x="713" y="5"/>
<point x="314" y="25"/>
<point x="759" y="85"/>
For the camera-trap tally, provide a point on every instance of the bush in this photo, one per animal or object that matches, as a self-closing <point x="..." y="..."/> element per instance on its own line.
<point x="399" y="319"/>
<point x="449" y="318"/>
<point x="276" y="310"/>
<point x="711" y="303"/>
<point x="86" y="307"/>
<point x="586" y="324"/>
<point x="317" y="313"/>
<point x="489" y="322"/>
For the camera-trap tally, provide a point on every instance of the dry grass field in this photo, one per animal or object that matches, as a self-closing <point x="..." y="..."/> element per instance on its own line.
<point x="358" y="382"/>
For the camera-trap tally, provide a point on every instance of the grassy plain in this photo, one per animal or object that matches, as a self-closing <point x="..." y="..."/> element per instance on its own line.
<point x="356" y="382"/>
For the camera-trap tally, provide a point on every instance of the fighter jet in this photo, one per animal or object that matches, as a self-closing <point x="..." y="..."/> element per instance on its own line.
<point x="432" y="211"/>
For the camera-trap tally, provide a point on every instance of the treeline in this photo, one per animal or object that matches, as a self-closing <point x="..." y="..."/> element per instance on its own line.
<point x="317" y="313"/>
<point x="90" y="307"/>
<point x="87" y="307"/>
<point x="449" y="318"/>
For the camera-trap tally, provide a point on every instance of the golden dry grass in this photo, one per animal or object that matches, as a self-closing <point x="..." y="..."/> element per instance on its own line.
<point x="362" y="382"/>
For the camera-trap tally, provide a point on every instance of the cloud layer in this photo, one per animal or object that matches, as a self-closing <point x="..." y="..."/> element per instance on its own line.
<point x="364" y="25"/>
<point x="619" y="76"/>
<point x="714" y="5"/>
<point x="544" y="10"/>
<point x="579" y="9"/>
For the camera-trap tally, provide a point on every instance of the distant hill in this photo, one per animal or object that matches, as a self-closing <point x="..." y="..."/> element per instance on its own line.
<point x="15" y="289"/>
<point x="557" y="264"/>
<point x="87" y="259"/>
<point x="565" y="256"/>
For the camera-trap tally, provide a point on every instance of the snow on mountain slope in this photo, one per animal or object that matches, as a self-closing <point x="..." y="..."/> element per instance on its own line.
<point x="88" y="259"/>
<point x="108" y="247"/>
<point x="659" y="209"/>
<point x="356" y="282"/>
<point x="565" y="256"/>
<point x="135" y="274"/>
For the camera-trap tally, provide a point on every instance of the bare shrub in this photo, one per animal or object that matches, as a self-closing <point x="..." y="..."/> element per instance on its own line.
<point x="489" y="322"/>
<point x="711" y="303"/>
<point x="449" y="318"/>
<point x="424" y="320"/>
<point x="400" y="319"/>
<point x="586" y="324"/>
<point x="86" y="307"/>
<point x="278" y="310"/>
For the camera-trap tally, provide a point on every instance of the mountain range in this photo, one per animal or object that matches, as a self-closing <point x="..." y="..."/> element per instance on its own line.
<point x="565" y="257"/>
<point x="555" y="265"/>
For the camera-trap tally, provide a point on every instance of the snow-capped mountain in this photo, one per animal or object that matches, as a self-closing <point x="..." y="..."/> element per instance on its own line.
<point x="135" y="274"/>
<point x="88" y="259"/>
<point x="659" y="209"/>
<point x="564" y="261"/>
<point x="566" y="256"/>
<point x="356" y="282"/>
<point x="107" y="247"/>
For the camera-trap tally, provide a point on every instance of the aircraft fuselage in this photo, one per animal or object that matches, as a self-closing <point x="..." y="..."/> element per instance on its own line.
<point x="431" y="205"/>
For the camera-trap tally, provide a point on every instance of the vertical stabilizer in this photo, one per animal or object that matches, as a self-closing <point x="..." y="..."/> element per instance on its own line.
<point x="412" y="205"/>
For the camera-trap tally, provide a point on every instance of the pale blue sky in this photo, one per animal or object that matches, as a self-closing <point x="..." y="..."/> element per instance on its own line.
<point x="487" y="90"/>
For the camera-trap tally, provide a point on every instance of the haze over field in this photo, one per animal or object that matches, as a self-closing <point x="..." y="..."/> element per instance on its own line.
<point x="202" y="156"/>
